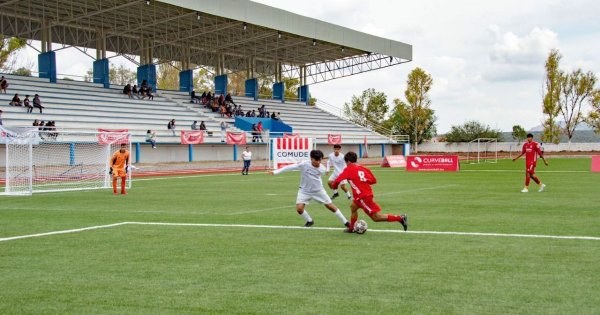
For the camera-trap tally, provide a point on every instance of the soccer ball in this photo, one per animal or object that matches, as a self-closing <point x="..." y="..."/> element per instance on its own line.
<point x="360" y="227"/>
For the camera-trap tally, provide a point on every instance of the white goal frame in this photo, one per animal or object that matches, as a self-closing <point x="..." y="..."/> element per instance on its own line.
<point x="49" y="161"/>
<point x="483" y="150"/>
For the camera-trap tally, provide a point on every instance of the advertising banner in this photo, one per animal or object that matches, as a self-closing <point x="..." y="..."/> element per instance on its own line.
<point x="192" y="137"/>
<point x="106" y="136"/>
<point x="393" y="161"/>
<point x="236" y="137"/>
<point x="334" y="139"/>
<point x="432" y="163"/>
<point x="290" y="151"/>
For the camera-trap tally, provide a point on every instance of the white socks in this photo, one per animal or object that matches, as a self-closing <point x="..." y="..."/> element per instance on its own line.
<point x="306" y="216"/>
<point x="340" y="216"/>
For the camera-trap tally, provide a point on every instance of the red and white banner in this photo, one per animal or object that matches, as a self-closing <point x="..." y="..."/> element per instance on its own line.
<point x="236" y="137"/>
<point x="334" y="139"/>
<point x="119" y="136"/>
<point x="290" y="151"/>
<point x="432" y="163"/>
<point x="291" y="135"/>
<point x="192" y="137"/>
<point x="393" y="161"/>
<point x="596" y="163"/>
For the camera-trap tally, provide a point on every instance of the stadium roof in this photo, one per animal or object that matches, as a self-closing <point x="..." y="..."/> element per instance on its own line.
<point x="231" y="33"/>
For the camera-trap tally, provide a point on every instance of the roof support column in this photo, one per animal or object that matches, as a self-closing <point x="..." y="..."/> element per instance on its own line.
<point x="186" y="75"/>
<point x="47" y="59"/>
<point x="251" y="83"/>
<point x="101" y="64"/>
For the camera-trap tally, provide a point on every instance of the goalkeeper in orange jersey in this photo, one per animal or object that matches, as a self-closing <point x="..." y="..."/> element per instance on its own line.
<point x="118" y="168"/>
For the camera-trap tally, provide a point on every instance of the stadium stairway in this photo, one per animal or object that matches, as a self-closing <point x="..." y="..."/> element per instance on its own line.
<point x="76" y="105"/>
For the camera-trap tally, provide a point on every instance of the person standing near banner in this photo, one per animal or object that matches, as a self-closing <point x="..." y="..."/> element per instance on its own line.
<point x="247" y="158"/>
<point x="223" y="130"/>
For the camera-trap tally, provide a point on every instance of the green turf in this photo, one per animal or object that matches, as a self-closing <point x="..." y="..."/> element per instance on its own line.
<point x="156" y="269"/>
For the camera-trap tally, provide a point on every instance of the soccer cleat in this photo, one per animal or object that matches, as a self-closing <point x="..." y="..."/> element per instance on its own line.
<point x="349" y="197"/>
<point x="309" y="223"/>
<point x="542" y="188"/>
<point x="404" y="221"/>
<point x="348" y="230"/>
<point x="335" y="195"/>
<point x="525" y="190"/>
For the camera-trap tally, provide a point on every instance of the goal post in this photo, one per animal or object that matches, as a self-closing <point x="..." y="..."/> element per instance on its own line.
<point x="48" y="161"/>
<point x="483" y="150"/>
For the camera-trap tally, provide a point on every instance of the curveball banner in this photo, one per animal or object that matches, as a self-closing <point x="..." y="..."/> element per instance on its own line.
<point x="432" y="163"/>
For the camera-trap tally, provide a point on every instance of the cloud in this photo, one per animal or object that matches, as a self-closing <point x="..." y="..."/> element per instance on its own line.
<point x="517" y="58"/>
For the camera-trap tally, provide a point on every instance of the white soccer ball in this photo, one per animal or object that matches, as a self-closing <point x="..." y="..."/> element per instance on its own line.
<point x="360" y="227"/>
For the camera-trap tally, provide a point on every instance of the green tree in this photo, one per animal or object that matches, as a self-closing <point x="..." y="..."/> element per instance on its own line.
<point x="9" y="46"/>
<point x="22" y="72"/>
<point x="551" y="108"/>
<point x="470" y="131"/>
<point x="368" y="109"/>
<point x="415" y="116"/>
<point x="519" y="133"/>
<point x="167" y="75"/>
<point x="576" y="88"/>
<point x="89" y="75"/>
<point x="593" y="118"/>
<point x="203" y="80"/>
<point x="121" y="75"/>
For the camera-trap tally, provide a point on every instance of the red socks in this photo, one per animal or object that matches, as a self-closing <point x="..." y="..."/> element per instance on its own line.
<point x="394" y="218"/>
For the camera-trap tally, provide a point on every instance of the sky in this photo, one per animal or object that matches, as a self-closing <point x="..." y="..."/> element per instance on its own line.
<point x="486" y="57"/>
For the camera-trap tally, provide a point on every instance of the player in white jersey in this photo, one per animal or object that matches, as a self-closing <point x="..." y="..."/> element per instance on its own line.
<point x="311" y="187"/>
<point x="336" y="158"/>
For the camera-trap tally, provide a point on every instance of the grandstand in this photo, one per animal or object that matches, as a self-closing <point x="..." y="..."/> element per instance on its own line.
<point x="223" y="37"/>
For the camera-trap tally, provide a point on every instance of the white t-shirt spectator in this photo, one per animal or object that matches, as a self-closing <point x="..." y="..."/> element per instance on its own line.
<point x="247" y="155"/>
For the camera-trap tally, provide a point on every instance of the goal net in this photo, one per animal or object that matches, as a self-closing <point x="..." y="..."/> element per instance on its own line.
<point x="48" y="161"/>
<point x="483" y="150"/>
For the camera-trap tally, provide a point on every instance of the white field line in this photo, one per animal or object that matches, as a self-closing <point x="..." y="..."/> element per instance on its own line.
<point x="559" y="237"/>
<point x="12" y="238"/>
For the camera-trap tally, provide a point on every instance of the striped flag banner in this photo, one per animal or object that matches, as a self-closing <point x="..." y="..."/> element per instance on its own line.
<point x="290" y="151"/>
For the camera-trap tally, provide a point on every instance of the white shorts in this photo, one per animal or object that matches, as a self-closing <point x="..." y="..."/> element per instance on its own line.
<point x="320" y="197"/>
<point x="333" y="176"/>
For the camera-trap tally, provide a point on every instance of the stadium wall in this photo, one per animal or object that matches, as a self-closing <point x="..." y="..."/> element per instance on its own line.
<point x="177" y="153"/>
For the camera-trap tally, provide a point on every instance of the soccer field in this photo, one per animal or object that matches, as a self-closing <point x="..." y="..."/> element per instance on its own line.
<point x="234" y="246"/>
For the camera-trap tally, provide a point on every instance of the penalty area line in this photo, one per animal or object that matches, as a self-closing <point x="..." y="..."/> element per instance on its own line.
<point x="287" y="227"/>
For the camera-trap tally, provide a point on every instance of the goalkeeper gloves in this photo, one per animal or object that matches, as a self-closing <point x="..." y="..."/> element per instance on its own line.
<point x="110" y="171"/>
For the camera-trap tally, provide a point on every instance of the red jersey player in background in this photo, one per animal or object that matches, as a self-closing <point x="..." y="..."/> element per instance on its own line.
<point x="118" y="168"/>
<point x="361" y="179"/>
<point x="531" y="149"/>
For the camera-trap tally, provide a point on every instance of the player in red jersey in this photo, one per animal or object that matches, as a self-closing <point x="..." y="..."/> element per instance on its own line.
<point x="361" y="179"/>
<point x="531" y="150"/>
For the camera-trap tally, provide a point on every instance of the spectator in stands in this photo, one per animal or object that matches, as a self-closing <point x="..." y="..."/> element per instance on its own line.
<point x="253" y="114"/>
<point x="209" y="98"/>
<point x="273" y="116"/>
<point x="215" y="105"/>
<point x="41" y="125"/>
<point x="195" y="126"/>
<point x="134" y="91"/>
<point x="36" y="123"/>
<point x="221" y="100"/>
<point x="3" y="84"/>
<point x="259" y="128"/>
<point x="254" y="133"/>
<point x="222" y="110"/>
<point x="171" y="126"/>
<point x="16" y="101"/>
<point x="149" y="93"/>
<point x="37" y="103"/>
<point x="203" y="128"/>
<point x="261" y="111"/>
<point x="27" y="104"/>
<point x="151" y="138"/>
<point x="1" y="117"/>
<point x="223" y="130"/>
<point x="193" y="97"/>
<point x="278" y="116"/>
<point x="229" y="99"/>
<point x="51" y="133"/>
<point x="144" y="89"/>
<point x="127" y="90"/>
<point x="203" y="98"/>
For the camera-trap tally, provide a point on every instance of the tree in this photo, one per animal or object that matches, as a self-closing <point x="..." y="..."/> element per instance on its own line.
<point x="167" y="75"/>
<point x="550" y="106"/>
<point x="470" y="131"/>
<point x="576" y="88"/>
<point x="121" y="75"/>
<point x="401" y="122"/>
<point x="203" y="80"/>
<point x="368" y="109"/>
<point x="22" y="72"/>
<point x="593" y="118"/>
<point x="9" y="46"/>
<point x="519" y="133"/>
<point x="89" y="75"/>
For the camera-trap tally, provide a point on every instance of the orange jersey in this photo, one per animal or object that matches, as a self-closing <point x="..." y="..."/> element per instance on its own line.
<point x="119" y="160"/>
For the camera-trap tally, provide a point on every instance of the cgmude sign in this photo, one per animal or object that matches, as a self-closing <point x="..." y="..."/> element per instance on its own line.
<point x="288" y="151"/>
<point x="432" y="163"/>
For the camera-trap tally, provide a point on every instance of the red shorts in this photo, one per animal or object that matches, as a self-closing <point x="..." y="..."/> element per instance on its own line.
<point x="368" y="205"/>
<point x="530" y="168"/>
